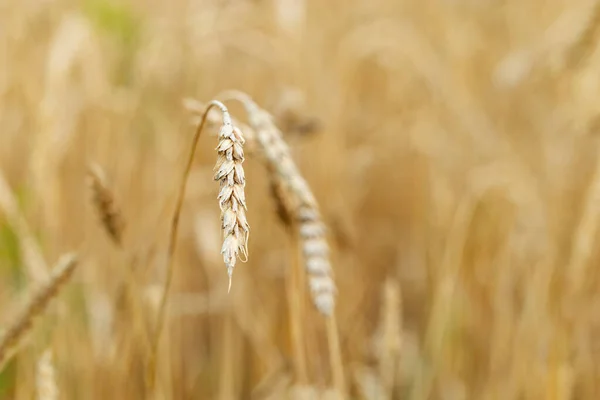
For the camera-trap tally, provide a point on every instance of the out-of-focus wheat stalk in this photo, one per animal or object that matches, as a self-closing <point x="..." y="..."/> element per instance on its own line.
<point x="439" y="318"/>
<point x="585" y="234"/>
<point x="32" y="255"/>
<point x="231" y="201"/>
<point x="105" y="204"/>
<point x="35" y="306"/>
<point x="391" y="336"/>
<point x="46" y="386"/>
<point x="295" y="279"/>
<point x="227" y="383"/>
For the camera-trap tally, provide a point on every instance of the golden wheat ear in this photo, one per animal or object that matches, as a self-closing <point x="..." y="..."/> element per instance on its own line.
<point x="104" y="202"/>
<point x="35" y="306"/>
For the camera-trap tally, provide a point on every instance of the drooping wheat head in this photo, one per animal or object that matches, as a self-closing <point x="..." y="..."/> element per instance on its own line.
<point x="232" y="198"/>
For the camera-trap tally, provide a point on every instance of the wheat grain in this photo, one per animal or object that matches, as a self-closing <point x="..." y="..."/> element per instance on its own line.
<point x="36" y="306"/>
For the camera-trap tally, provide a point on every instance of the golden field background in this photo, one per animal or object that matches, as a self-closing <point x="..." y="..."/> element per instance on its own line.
<point x="452" y="146"/>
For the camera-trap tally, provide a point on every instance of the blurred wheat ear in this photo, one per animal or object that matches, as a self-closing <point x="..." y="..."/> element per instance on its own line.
<point x="105" y="204"/>
<point x="35" y="306"/>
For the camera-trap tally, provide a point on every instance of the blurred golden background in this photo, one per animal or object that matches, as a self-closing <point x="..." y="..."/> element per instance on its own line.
<point x="452" y="147"/>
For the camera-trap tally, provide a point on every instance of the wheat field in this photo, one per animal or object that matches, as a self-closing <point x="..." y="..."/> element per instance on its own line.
<point x="419" y="198"/>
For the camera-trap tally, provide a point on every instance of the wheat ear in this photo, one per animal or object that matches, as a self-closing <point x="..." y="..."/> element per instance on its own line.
<point x="311" y="228"/>
<point x="232" y="202"/>
<point x="35" y="306"/>
<point x="104" y="202"/>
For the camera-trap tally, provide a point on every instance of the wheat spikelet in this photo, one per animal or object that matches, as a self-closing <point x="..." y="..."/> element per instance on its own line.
<point x="104" y="202"/>
<point x="36" y="306"/>
<point x="46" y="386"/>
<point x="310" y="226"/>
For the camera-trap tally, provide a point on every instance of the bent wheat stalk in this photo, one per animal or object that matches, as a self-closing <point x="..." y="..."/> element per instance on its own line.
<point x="10" y="339"/>
<point x="232" y="202"/>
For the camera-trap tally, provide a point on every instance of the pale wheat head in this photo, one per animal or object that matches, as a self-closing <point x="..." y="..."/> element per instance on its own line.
<point x="232" y="198"/>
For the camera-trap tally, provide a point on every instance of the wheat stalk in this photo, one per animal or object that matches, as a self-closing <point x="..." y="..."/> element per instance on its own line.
<point x="104" y="202"/>
<point x="295" y="278"/>
<point x="33" y="258"/>
<point x="391" y="343"/>
<point x="232" y="202"/>
<point x="36" y="305"/>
